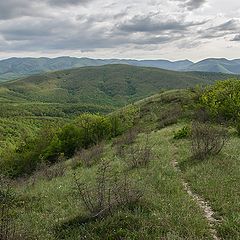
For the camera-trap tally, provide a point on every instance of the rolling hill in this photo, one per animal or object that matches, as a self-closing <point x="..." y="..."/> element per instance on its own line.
<point x="106" y="87"/>
<point x="216" y="65"/>
<point x="170" y="196"/>
<point x="13" y="68"/>
<point x="52" y="98"/>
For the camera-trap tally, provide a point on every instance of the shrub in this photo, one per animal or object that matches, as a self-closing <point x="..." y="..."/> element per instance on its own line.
<point x="139" y="156"/>
<point x="124" y="119"/>
<point x="48" y="171"/>
<point x="94" y="128"/>
<point x="238" y="127"/>
<point x="182" y="133"/>
<point x="111" y="191"/>
<point x="122" y="142"/>
<point x="169" y="116"/>
<point x="87" y="157"/>
<point x="223" y="99"/>
<point x="87" y="130"/>
<point x="7" y="207"/>
<point x="207" y="139"/>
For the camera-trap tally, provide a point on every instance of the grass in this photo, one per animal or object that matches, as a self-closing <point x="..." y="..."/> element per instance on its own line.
<point x="217" y="180"/>
<point x="165" y="211"/>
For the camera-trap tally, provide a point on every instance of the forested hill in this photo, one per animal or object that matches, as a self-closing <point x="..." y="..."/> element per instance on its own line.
<point x="105" y="86"/>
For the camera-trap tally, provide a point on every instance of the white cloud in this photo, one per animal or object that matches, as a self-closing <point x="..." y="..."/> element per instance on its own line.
<point x="125" y="29"/>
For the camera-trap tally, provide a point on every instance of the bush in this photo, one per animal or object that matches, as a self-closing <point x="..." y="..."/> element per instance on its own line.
<point x="182" y="133"/>
<point x="87" y="157"/>
<point x="139" y="156"/>
<point x="110" y="192"/>
<point x="122" y="142"/>
<point x="94" y="128"/>
<point x="207" y="139"/>
<point x="87" y="130"/>
<point x="7" y="207"/>
<point x="169" y="116"/>
<point x="223" y="99"/>
<point x="238" y="127"/>
<point x="48" y="172"/>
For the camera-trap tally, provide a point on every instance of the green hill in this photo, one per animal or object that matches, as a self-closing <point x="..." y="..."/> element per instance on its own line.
<point x="52" y="97"/>
<point x="104" y="87"/>
<point x="142" y="184"/>
<point x="13" y="68"/>
<point x="216" y="65"/>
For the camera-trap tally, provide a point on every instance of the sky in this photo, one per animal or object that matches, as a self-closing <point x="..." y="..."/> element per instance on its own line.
<point x="135" y="29"/>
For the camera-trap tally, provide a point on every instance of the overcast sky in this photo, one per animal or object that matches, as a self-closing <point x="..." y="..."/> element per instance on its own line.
<point x="142" y="29"/>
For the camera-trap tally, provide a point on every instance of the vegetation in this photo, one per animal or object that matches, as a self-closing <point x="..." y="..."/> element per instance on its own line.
<point x="182" y="133"/>
<point x="124" y="176"/>
<point x="207" y="139"/>
<point x="223" y="99"/>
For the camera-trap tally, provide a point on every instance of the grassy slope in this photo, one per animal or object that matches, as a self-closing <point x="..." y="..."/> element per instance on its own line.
<point x="167" y="211"/>
<point x="218" y="180"/>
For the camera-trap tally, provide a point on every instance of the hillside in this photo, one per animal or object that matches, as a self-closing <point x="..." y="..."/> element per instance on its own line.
<point x="13" y="68"/>
<point x="170" y="196"/>
<point x="110" y="85"/>
<point x="216" y="65"/>
<point x="29" y="103"/>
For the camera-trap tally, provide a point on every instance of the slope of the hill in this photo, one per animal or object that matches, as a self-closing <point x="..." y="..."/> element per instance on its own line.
<point x="30" y="102"/>
<point x="110" y="85"/>
<point x="216" y="65"/>
<point x="15" y="68"/>
<point x="18" y="67"/>
<point x="53" y="197"/>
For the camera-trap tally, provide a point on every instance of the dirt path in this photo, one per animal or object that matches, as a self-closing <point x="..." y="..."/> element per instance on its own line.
<point x="204" y="205"/>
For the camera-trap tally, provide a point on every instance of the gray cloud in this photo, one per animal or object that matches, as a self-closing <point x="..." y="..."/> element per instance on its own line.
<point x="150" y="24"/>
<point x="14" y="8"/>
<point x="10" y="9"/>
<point x="60" y="3"/>
<point x="194" y="4"/>
<point x="91" y="26"/>
<point x="190" y="4"/>
<point x="228" y="28"/>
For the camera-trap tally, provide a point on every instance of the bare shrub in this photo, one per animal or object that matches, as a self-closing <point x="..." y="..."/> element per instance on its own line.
<point x="110" y="191"/>
<point x="201" y="115"/>
<point x="207" y="139"/>
<point x="139" y="155"/>
<point x="123" y="141"/>
<point x="88" y="157"/>
<point x="169" y="116"/>
<point x="49" y="171"/>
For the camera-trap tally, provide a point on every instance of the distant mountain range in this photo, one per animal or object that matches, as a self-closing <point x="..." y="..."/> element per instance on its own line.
<point x="13" y="68"/>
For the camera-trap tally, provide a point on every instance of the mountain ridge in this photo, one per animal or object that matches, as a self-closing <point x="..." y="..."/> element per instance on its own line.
<point x="14" y="68"/>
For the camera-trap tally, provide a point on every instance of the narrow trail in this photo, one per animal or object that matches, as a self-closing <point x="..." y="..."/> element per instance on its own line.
<point x="204" y="205"/>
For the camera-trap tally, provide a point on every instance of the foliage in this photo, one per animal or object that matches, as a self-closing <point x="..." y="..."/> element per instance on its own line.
<point x="238" y="127"/>
<point x="182" y="133"/>
<point x="7" y="206"/>
<point x="223" y="99"/>
<point x="87" y="157"/>
<point x="207" y="139"/>
<point x="111" y="191"/>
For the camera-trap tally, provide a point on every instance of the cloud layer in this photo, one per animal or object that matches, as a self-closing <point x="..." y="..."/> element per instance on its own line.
<point x="116" y="29"/>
